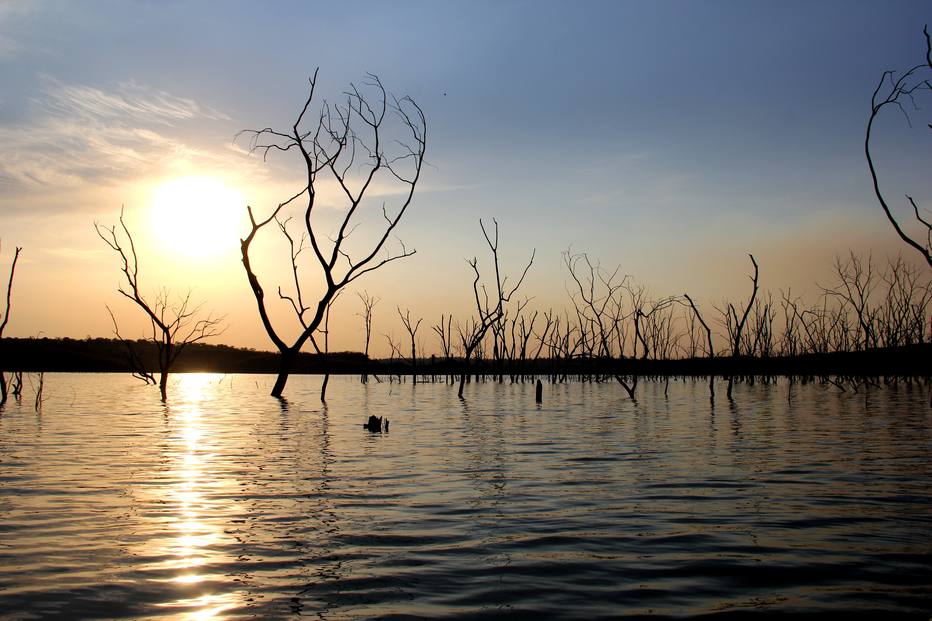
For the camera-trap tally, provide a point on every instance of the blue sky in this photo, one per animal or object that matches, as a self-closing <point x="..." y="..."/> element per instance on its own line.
<point x="669" y="137"/>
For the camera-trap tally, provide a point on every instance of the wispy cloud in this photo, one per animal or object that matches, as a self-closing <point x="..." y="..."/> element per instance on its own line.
<point x="130" y="102"/>
<point x="9" y="48"/>
<point x="10" y="11"/>
<point x="77" y="135"/>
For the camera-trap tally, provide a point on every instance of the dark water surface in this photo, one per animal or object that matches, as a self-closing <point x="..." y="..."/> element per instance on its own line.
<point x="223" y="504"/>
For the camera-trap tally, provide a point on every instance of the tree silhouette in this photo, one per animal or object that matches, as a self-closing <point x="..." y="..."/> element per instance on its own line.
<point x="6" y="319"/>
<point x="894" y="92"/>
<point x="597" y="300"/>
<point x="490" y="305"/>
<point x="735" y="326"/>
<point x="174" y="325"/>
<point x="368" y="303"/>
<point x="354" y="148"/>
<point x="411" y="327"/>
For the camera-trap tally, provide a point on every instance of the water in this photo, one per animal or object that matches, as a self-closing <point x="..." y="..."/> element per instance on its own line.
<point x="225" y="504"/>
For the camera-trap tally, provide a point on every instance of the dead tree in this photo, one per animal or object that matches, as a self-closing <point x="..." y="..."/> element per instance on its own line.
<point x="174" y="325"/>
<point x="354" y="147"/>
<point x="597" y="300"/>
<point x="323" y="354"/>
<point x="653" y="325"/>
<point x="710" y="351"/>
<point x="759" y="339"/>
<point x="368" y="303"/>
<point x="394" y="349"/>
<point x="550" y="319"/>
<point x="6" y="319"/>
<point x="138" y="367"/>
<point x="894" y="92"/>
<point x="856" y="284"/>
<point x="490" y="306"/>
<point x="735" y="326"/>
<point x="444" y="331"/>
<point x="411" y="328"/>
<point x="790" y="340"/>
<point x="525" y="331"/>
<point x="902" y="315"/>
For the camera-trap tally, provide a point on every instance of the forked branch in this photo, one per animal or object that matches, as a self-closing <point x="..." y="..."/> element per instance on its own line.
<point x="894" y="92"/>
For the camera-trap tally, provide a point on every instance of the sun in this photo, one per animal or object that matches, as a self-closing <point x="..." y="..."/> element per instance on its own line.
<point x="198" y="217"/>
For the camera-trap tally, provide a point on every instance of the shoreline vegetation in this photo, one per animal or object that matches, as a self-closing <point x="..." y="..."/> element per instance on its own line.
<point x="32" y="355"/>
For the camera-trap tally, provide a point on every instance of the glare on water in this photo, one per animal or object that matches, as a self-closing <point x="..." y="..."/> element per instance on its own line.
<point x="195" y="534"/>
<point x="225" y="503"/>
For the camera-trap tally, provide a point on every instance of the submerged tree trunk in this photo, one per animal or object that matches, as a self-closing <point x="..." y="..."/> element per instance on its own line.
<point x="323" y="388"/>
<point x="166" y="358"/>
<point x="284" y="368"/>
<point x="629" y="388"/>
<point x="280" y="381"/>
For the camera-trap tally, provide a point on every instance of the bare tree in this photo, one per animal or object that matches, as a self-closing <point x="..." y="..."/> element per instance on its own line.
<point x="597" y="298"/>
<point x="411" y="328"/>
<point x="902" y="315"/>
<point x="525" y="331"/>
<point x="710" y="349"/>
<point x="6" y="319"/>
<point x="708" y="333"/>
<point x="323" y="354"/>
<point x="550" y="318"/>
<point x="790" y="340"/>
<point x="490" y="306"/>
<point x="394" y="349"/>
<point x="894" y="92"/>
<point x="174" y="325"/>
<point x="354" y="147"/>
<point x="444" y="331"/>
<point x="368" y="303"/>
<point x="856" y="285"/>
<point x="653" y="324"/>
<point x="735" y="326"/>
<point x="759" y="338"/>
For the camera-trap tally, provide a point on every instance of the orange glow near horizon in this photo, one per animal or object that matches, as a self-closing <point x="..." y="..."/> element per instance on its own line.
<point x="197" y="217"/>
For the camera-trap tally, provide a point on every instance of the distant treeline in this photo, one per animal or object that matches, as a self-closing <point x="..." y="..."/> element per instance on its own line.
<point x="110" y="355"/>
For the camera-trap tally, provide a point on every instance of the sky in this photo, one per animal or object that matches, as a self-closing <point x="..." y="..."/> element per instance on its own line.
<point x="668" y="138"/>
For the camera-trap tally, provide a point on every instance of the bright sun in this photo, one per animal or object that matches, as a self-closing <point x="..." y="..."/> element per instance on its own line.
<point x="198" y="217"/>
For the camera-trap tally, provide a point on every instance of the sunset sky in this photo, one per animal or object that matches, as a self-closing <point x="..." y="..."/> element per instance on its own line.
<point x="670" y="138"/>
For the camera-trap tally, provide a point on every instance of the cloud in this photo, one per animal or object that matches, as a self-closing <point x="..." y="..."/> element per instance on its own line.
<point x="77" y="136"/>
<point x="9" y="48"/>
<point x="10" y="13"/>
<point x="77" y="140"/>
<point x="131" y="102"/>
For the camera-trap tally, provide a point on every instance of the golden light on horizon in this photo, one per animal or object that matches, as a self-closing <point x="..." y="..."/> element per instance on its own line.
<point x="197" y="216"/>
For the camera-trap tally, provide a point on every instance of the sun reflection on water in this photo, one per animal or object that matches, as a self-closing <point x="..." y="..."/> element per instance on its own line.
<point x="195" y="531"/>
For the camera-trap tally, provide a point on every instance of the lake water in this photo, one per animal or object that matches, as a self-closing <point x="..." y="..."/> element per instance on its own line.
<point x="225" y="504"/>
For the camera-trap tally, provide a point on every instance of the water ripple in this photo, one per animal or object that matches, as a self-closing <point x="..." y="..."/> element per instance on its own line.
<point x="225" y="504"/>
